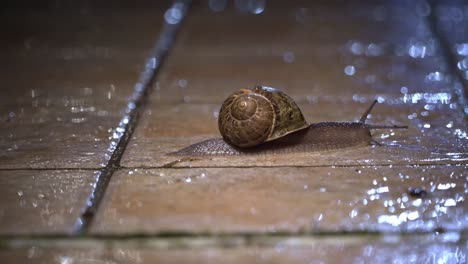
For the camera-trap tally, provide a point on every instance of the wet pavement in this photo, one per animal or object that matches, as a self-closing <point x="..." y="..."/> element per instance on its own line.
<point x="96" y="95"/>
<point x="66" y="85"/>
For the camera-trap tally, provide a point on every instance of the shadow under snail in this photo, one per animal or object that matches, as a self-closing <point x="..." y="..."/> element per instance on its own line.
<point x="264" y="120"/>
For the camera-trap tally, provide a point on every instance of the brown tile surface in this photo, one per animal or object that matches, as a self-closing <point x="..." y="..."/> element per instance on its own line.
<point x="71" y="68"/>
<point x="391" y="47"/>
<point x="435" y="136"/>
<point x="444" y="248"/>
<point x="43" y="202"/>
<point x="56" y="137"/>
<point x="304" y="48"/>
<point x="284" y="199"/>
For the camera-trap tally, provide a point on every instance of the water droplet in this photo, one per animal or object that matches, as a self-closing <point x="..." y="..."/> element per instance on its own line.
<point x="446" y="186"/>
<point x="174" y="14"/>
<point x="357" y="48"/>
<point x="417" y="50"/>
<point x="413" y="215"/>
<point x="463" y="64"/>
<point x="353" y="213"/>
<point x="450" y="202"/>
<point x="182" y="83"/>
<point x="349" y="70"/>
<point x="435" y="77"/>
<point x="320" y="217"/>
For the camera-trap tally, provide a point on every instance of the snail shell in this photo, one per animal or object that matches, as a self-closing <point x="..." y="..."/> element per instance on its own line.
<point x="250" y="117"/>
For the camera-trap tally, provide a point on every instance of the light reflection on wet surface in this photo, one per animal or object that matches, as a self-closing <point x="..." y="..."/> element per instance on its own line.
<point x="43" y="202"/>
<point x="404" y="71"/>
<point x="427" y="99"/>
<point x="70" y="71"/>
<point x="436" y="132"/>
<point x="370" y="199"/>
<point x="441" y="248"/>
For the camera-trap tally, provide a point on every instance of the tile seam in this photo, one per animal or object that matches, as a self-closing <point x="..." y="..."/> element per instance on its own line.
<point x="448" y="56"/>
<point x="136" y="103"/>
<point x="5" y="239"/>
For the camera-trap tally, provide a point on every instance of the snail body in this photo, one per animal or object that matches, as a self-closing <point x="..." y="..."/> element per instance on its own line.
<point x="264" y="120"/>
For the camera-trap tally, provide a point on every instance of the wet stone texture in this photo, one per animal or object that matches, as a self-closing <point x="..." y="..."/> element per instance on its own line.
<point x="65" y="84"/>
<point x="431" y="137"/>
<point x="315" y="52"/>
<point x="285" y="200"/>
<point x="334" y="77"/>
<point x="67" y="87"/>
<point x="43" y="202"/>
<point x="443" y="248"/>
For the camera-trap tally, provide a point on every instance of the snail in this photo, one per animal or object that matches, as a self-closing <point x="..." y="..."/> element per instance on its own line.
<point x="264" y="120"/>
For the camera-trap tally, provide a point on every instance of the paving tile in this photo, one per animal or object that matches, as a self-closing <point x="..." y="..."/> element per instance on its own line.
<point x="306" y="57"/>
<point x="71" y="68"/>
<point x="316" y="49"/>
<point x="287" y="199"/>
<point x="445" y="248"/>
<point x="43" y="201"/>
<point x="435" y="135"/>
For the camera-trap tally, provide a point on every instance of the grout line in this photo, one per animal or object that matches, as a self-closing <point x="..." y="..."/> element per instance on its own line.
<point x="448" y="56"/>
<point x="50" y="169"/>
<point x="217" y="240"/>
<point x="123" y="133"/>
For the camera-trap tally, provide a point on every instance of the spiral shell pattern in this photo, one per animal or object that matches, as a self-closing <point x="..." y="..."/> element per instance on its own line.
<point x="250" y="117"/>
<point x="246" y="118"/>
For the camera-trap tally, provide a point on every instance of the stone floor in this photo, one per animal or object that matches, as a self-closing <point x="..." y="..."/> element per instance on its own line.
<point x="95" y="95"/>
